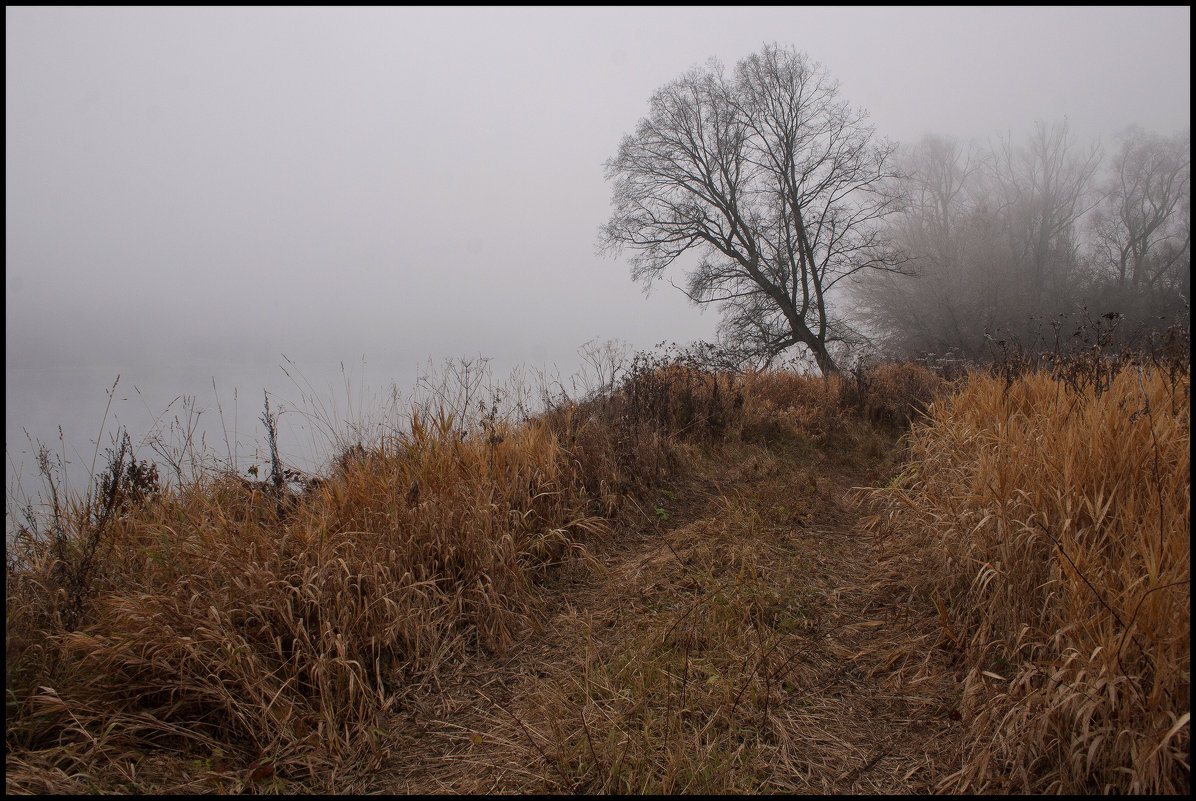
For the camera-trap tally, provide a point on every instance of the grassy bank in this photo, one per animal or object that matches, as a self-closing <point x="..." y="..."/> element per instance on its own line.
<point x="272" y="632"/>
<point x="231" y="635"/>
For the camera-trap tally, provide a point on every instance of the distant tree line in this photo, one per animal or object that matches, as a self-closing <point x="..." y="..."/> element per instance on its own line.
<point x="1022" y="241"/>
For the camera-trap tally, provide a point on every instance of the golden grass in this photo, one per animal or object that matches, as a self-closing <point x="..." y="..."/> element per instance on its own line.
<point x="235" y="636"/>
<point x="779" y="404"/>
<point x="732" y="651"/>
<point x="1049" y="524"/>
<point x="675" y="692"/>
<point x="291" y="628"/>
<point x="272" y="636"/>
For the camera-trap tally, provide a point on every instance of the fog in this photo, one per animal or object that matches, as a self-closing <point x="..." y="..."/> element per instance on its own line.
<point x="193" y="194"/>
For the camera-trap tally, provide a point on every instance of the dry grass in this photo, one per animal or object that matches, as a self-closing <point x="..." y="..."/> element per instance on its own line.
<point x="282" y="630"/>
<point x="731" y="649"/>
<point x="1048" y="522"/>
<point x="675" y="690"/>
<point x="232" y="636"/>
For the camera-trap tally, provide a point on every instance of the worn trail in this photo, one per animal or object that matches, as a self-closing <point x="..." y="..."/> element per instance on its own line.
<point x="738" y="639"/>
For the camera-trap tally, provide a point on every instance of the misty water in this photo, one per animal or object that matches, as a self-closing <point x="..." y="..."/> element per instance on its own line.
<point x="321" y="407"/>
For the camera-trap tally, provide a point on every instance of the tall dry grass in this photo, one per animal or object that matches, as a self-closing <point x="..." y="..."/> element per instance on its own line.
<point x="828" y="408"/>
<point x="231" y="612"/>
<point x="1048" y="520"/>
<point x="248" y="634"/>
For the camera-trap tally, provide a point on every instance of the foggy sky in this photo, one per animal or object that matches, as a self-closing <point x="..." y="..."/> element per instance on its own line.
<point x="197" y="190"/>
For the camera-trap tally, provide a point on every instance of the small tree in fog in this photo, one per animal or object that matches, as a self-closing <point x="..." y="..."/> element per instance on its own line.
<point x="772" y="182"/>
<point x="947" y="300"/>
<point x="1044" y="187"/>
<point x="1144" y="228"/>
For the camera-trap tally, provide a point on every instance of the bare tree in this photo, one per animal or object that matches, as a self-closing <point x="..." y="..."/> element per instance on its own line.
<point x="772" y="182"/>
<point x="1143" y="232"/>
<point x="939" y="172"/>
<point x="943" y="303"/>
<point x="1044" y="187"/>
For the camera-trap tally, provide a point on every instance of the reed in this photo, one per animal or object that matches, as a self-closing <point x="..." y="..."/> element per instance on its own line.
<point x="1048" y="521"/>
<point x="288" y="627"/>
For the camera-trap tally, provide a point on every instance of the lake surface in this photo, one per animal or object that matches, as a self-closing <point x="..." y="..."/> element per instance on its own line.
<point x="319" y="407"/>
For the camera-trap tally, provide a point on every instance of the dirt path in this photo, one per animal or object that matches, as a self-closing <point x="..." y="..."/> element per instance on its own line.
<point x="736" y="640"/>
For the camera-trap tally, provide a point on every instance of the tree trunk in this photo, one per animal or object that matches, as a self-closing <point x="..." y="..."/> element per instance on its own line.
<point x="825" y="363"/>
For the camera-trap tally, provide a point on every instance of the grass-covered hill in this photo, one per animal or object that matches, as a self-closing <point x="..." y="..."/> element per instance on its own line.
<point x="697" y="582"/>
